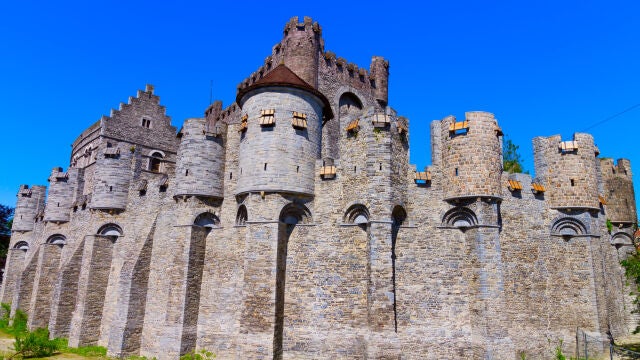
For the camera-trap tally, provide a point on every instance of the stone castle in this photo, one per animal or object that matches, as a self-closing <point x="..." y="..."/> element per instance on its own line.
<point x="290" y="224"/>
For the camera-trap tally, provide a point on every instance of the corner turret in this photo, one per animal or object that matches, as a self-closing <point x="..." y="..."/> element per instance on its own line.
<point x="471" y="155"/>
<point x="618" y="191"/>
<point x="30" y="202"/>
<point x="380" y="76"/>
<point x="302" y="47"/>
<point x="568" y="170"/>
<point x="62" y="188"/>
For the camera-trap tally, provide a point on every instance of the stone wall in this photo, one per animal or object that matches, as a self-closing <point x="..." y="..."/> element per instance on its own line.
<point x="256" y="253"/>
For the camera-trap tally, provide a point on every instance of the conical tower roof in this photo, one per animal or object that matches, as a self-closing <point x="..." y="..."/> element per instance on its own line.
<point x="282" y="76"/>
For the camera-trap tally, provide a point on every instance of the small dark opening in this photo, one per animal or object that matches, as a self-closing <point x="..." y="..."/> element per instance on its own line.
<point x="573" y="182"/>
<point x="110" y="188"/>
<point x="354" y="169"/>
<point x="186" y="173"/>
<point x="230" y="175"/>
<point x="380" y="166"/>
<point x="58" y="204"/>
<point x="456" y="171"/>
<point x="265" y="166"/>
<point x="298" y="168"/>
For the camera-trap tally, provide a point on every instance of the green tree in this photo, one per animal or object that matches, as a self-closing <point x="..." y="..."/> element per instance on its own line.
<point x="511" y="159"/>
<point x="6" y="218"/>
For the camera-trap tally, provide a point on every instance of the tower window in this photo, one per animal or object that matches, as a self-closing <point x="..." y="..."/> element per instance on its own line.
<point x="573" y="182"/>
<point x="146" y="123"/>
<point x="299" y="120"/>
<point x="457" y="173"/>
<point x="267" y="117"/>
<point x="155" y="161"/>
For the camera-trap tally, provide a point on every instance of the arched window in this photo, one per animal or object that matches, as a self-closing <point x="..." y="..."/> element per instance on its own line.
<point x="57" y="239"/>
<point x="293" y="214"/>
<point x="357" y="214"/>
<point x="398" y="215"/>
<point x="242" y="216"/>
<point x="207" y="220"/>
<point x="110" y="230"/>
<point x="349" y="104"/>
<point x="21" y="245"/>
<point x="568" y="227"/>
<point x="621" y="239"/>
<point x="460" y="217"/>
<point x="155" y="161"/>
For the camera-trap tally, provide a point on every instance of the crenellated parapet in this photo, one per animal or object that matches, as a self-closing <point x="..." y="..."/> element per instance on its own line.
<point x="31" y="200"/>
<point x="618" y="190"/>
<point x="569" y="171"/>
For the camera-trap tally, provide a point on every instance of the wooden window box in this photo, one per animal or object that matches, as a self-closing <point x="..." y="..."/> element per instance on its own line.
<point x="244" y="123"/>
<point x="568" y="146"/>
<point x="602" y="200"/>
<point x="299" y="120"/>
<point x="514" y="185"/>
<point x="353" y="126"/>
<point x="422" y="177"/>
<point x="380" y="120"/>
<point x="267" y="117"/>
<point x="538" y="188"/>
<point x="457" y="126"/>
<point x="328" y="172"/>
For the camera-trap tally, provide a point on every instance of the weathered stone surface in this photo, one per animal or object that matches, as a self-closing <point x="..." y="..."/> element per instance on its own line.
<point x="156" y="243"/>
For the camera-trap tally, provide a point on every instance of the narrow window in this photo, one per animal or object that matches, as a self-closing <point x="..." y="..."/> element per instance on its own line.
<point x="58" y="204"/>
<point x="110" y="188"/>
<point x="456" y="171"/>
<point x="381" y="166"/>
<point x="265" y="166"/>
<point x="573" y="182"/>
<point x="186" y="172"/>
<point x="354" y="169"/>
<point x="230" y="175"/>
<point x="298" y="168"/>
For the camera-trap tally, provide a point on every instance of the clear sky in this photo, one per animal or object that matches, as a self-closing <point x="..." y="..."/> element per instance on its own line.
<point x="542" y="67"/>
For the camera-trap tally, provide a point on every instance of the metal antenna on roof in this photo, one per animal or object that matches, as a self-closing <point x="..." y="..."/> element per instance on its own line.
<point x="211" y="93"/>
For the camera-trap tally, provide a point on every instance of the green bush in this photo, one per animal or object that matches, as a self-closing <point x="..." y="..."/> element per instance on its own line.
<point x="5" y="310"/>
<point x="18" y="324"/>
<point x="200" y="355"/>
<point x="35" y="344"/>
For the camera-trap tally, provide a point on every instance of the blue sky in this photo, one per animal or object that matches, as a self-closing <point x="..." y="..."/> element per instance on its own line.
<point x="542" y="67"/>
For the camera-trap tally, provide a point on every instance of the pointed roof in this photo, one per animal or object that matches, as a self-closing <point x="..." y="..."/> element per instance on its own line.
<point x="282" y="76"/>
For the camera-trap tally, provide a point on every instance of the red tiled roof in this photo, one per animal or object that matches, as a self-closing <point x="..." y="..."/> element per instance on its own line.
<point x="283" y="76"/>
<point x="636" y="235"/>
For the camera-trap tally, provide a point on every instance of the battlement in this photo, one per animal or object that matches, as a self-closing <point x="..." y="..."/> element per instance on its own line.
<point x="306" y="25"/>
<point x="619" y="168"/>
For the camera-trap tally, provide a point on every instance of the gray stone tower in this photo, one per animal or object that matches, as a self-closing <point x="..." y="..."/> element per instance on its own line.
<point x="302" y="48"/>
<point x="112" y="177"/>
<point x="62" y="187"/>
<point x="282" y="139"/>
<point x="618" y="191"/>
<point x="472" y="152"/>
<point x="568" y="168"/>
<point x="200" y="163"/>
<point x="30" y="202"/>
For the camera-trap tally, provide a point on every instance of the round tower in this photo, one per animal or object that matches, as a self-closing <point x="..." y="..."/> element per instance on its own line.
<point x="281" y="139"/>
<point x="302" y="48"/>
<point x="62" y="187"/>
<point x="380" y="74"/>
<point x="569" y="170"/>
<point x="112" y="176"/>
<point x="30" y="202"/>
<point x="471" y="155"/>
<point x="618" y="191"/>
<point x="200" y="162"/>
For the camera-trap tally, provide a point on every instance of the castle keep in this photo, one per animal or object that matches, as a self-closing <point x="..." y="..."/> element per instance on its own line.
<point x="290" y="224"/>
